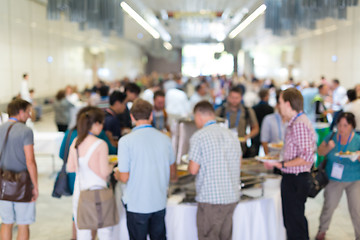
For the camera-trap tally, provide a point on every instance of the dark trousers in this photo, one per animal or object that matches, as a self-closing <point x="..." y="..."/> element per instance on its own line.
<point x="214" y="221"/>
<point x="62" y="127"/>
<point x="141" y="224"/>
<point x="294" y="192"/>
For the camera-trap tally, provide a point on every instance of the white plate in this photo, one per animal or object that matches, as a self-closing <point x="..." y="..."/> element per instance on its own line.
<point x="352" y="156"/>
<point x="263" y="159"/>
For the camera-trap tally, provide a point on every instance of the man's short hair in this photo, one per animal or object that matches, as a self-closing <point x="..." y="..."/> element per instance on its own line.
<point x="141" y="109"/>
<point x="204" y="107"/>
<point x="25" y="75"/>
<point x="321" y="86"/>
<point x="198" y="87"/>
<point x="236" y="89"/>
<point x="132" y="87"/>
<point x="117" y="96"/>
<point x="16" y="105"/>
<point x="351" y="94"/>
<point x="336" y="81"/>
<point x="159" y="93"/>
<point x="104" y="91"/>
<point x="263" y="93"/>
<point x="295" y="98"/>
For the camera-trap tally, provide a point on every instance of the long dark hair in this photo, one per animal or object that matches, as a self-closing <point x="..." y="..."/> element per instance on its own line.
<point x="86" y="120"/>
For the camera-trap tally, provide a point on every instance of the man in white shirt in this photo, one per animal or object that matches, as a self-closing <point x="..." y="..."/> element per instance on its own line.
<point x="24" y="91"/>
<point x="338" y="95"/>
<point x="200" y="94"/>
<point x="339" y="99"/>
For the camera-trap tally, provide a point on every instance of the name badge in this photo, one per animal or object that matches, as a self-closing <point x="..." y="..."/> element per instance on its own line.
<point x="234" y="131"/>
<point x="337" y="171"/>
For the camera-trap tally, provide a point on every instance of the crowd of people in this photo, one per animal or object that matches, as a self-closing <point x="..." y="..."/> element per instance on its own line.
<point x="121" y="117"/>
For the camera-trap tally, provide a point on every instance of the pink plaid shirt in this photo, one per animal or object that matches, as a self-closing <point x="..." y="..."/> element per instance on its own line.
<point x="300" y="142"/>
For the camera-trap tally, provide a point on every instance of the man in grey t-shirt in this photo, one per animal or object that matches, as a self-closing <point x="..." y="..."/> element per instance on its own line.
<point x="17" y="156"/>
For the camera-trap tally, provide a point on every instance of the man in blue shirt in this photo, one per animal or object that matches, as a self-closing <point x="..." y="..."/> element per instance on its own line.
<point x="144" y="160"/>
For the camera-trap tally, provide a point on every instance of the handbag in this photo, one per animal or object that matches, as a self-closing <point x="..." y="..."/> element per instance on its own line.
<point x="14" y="186"/>
<point x="318" y="179"/>
<point x="96" y="208"/>
<point x="62" y="183"/>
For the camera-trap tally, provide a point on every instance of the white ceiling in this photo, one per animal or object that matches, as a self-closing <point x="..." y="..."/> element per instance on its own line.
<point x="192" y="21"/>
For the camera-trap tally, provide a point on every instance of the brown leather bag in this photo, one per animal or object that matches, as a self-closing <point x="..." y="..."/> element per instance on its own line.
<point x="14" y="186"/>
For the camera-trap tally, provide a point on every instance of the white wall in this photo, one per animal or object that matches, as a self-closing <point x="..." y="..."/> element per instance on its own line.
<point x="310" y="51"/>
<point x="27" y="39"/>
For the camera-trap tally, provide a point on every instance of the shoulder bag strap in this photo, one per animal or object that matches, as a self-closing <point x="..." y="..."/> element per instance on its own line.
<point x="67" y="146"/>
<point x="5" y="141"/>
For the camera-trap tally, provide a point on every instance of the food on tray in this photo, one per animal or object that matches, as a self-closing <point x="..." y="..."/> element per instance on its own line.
<point x="341" y="153"/>
<point x="113" y="159"/>
<point x="276" y="145"/>
<point x="267" y="157"/>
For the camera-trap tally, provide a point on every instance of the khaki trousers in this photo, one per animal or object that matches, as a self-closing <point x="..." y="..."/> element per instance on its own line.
<point x="332" y="195"/>
<point x="214" y="221"/>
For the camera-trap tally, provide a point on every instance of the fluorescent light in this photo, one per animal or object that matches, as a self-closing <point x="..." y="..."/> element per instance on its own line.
<point x="167" y="45"/>
<point x="247" y="21"/>
<point x="140" y="20"/>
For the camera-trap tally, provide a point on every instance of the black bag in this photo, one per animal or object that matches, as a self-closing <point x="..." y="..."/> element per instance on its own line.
<point x="318" y="179"/>
<point x="61" y="186"/>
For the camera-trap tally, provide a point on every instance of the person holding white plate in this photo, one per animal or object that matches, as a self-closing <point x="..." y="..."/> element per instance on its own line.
<point x="343" y="169"/>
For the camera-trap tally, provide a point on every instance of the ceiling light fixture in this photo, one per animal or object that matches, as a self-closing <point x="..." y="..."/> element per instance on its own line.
<point x="140" y="20"/>
<point x="260" y="10"/>
<point x="168" y="46"/>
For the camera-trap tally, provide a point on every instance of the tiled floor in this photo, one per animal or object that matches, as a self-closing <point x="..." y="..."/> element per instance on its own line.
<point x="53" y="220"/>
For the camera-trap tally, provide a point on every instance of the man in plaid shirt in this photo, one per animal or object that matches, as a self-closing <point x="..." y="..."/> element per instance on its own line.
<point x="298" y="157"/>
<point x="215" y="156"/>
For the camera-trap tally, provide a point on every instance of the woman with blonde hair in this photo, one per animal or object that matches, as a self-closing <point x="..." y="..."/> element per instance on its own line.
<point x="88" y="157"/>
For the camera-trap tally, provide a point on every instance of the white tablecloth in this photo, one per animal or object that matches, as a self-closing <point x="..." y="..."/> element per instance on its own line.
<point x="252" y="220"/>
<point x="48" y="142"/>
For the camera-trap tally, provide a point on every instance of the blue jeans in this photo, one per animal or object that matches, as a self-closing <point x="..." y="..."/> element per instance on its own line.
<point x="141" y="224"/>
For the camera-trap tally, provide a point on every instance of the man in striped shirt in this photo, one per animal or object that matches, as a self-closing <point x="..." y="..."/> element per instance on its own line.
<point x="298" y="157"/>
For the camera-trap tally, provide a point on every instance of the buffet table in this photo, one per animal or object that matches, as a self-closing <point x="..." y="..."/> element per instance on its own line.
<point x="258" y="218"/>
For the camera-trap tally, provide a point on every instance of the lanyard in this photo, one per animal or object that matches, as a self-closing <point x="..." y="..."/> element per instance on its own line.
<point x="14" y="119"/>
<point x="298" y="115"/>
<point x="90" y="133"/>
<point x="347" y="142"/>
<point x="142" y="126"/>
<point x="278" y="118"/>
<point x="211" y="122"/>
<point x="161" y="122"/>
<point x="237" y="118"/>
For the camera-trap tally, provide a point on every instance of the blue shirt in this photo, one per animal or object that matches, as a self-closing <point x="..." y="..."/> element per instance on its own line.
<point x="146" y="154"/>
<point x="351" y="169"/>
<point x="102" y="135"/>
<point x="309" y="107"/>
<point x="272" y="129"/>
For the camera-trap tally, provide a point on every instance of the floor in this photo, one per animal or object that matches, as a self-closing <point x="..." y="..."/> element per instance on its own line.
<point x="53" y="220"/>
